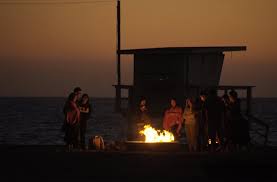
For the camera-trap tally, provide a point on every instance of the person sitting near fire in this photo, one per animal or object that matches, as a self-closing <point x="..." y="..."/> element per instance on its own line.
<point x="139" y="119"/>
<point x="172" y="120"/>
<point x="142" y="115"/>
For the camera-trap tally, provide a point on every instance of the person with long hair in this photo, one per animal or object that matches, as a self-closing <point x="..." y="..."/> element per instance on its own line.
<point x="173" y="120"/>
<point x="72" y="119"/>
<point x="191" y="124"/>
<point x="77" y="91"/>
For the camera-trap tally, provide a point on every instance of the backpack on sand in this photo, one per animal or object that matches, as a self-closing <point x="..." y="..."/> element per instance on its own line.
<point x="97" y="143"/>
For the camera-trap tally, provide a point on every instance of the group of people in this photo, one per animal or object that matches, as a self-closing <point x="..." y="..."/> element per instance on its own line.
<point x="77" y="110"/>
<point x="210" y="122"/>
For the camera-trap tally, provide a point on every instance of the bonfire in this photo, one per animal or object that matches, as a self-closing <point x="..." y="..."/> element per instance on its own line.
<point x="155" y="136"/>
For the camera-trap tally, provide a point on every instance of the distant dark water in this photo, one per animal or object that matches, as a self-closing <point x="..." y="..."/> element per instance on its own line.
<point x="39" y="120"/>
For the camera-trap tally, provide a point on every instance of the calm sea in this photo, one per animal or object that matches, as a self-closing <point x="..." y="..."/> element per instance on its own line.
<point x="39" y="120"/>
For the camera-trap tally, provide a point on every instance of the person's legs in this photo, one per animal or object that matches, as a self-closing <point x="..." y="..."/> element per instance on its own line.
<point x="173" y="129"/>
<point x="83" y="128"/>
<point x="179" y="127"/>
<point x="219" y="135"/>
<point x="132" y="131"/>
<point x="69" y="137"/>
<point x="219" y="132"/>
<point x="212" y="134"/>
<point x="205" y="135"/>
<point x="188" y="135"/>
<point x="192" y="142"/>
<point x="75" y="135"/>
<point x="139" y="127"/>
<point x="194" y="136"/>
<point x="200" y="138"/>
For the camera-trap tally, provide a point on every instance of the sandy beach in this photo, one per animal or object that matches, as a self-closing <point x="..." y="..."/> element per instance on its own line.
<point x="52" y="163"/>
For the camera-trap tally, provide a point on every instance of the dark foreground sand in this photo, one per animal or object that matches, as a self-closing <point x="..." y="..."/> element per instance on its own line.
<point x="52" y="163"/>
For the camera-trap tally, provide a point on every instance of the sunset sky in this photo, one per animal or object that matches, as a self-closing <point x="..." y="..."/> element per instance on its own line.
<point x="47" y="49"/>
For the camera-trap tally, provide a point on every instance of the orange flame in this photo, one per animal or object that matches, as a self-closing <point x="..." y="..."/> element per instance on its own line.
<point x="153" y="136"/>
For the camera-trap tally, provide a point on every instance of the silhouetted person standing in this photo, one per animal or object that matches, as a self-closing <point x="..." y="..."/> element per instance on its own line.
<point x="226" y="128"/>
<point x="214" y="115"/>
<point x="72" y="119"/>
<point x="203" y="124"/>
<point x="239" y="126"/>
<point x="77" y="91"/>
<point x="190" y="116"/>
<point x="85" y="112"/>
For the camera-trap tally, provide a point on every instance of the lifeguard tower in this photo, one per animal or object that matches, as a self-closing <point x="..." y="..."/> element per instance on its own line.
<point x="162" y="73"/>
<point x="179" y="72"/>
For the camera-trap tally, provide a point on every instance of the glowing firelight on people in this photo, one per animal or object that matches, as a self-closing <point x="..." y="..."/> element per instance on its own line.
<point x="154" y="136"/>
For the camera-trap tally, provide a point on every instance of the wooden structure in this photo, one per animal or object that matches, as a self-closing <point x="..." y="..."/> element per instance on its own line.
<point x="179" y="72"/>
<point x="161" y="73"/>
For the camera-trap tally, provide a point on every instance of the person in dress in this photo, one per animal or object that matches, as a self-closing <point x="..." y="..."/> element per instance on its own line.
<point x="191" y="119"/>
<point x="72" y="120"/>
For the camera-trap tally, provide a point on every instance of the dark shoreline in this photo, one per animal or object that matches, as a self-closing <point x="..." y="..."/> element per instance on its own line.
<point x="52" y="163"/>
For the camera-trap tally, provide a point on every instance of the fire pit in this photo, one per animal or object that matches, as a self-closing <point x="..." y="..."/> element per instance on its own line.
<point x="154" y="147"/>
<point x="155" y="140"/>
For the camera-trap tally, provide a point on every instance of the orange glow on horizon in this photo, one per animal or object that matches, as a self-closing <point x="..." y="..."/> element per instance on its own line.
<point x="85" y="35"/>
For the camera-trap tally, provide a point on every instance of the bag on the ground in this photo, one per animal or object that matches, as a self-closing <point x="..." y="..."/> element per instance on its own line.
<point x="97" y="143"/>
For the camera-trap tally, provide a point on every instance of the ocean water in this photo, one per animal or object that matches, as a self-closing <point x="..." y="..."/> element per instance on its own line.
<point x="38" y="120"/>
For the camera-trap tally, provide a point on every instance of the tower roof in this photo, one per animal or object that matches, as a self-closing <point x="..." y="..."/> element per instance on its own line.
<point x="183" y="50"/>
